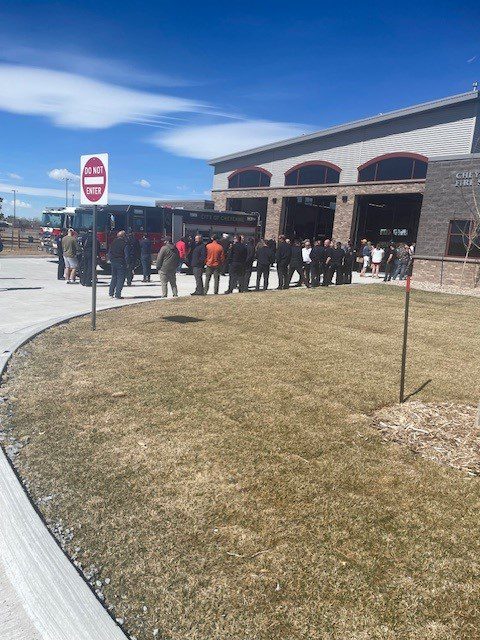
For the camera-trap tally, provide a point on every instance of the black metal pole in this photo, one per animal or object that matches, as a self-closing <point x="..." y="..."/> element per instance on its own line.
<point x="405" y="336"/>
<point x="94" y="268"/>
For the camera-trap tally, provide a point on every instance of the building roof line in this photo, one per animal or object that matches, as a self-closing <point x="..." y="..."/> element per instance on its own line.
<point x="356" y="124"/>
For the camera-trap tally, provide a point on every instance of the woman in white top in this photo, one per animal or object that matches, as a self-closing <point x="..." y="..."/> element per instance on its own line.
<point x="377" y="257"/>
<point x="306" y="250"/>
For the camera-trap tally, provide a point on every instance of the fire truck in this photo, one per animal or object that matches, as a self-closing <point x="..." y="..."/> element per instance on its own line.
<point x="54" y="219"/>
<point x="154" y="222"/>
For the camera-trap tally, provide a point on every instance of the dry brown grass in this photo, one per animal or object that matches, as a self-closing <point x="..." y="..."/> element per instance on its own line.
<point x="236" y="489"/>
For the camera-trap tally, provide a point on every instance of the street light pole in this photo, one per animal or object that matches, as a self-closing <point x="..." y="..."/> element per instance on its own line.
<point x="66" y="191"/>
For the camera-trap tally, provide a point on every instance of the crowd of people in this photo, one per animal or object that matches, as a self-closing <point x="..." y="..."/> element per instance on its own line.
<point x="310" y="264"/>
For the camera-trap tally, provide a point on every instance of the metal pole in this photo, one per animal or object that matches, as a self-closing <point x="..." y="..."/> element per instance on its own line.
<point x="405" y="336"/>
<point x="14" y="212"/>
<point x="94" y="268"/>
<point x="66" y="192"/>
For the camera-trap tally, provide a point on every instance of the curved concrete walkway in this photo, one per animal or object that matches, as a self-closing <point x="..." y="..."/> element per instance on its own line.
<point x="42" y="597"/>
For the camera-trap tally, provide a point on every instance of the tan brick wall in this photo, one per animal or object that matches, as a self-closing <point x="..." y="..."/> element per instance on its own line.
<point x="344" y="211"/>
<point x="447" y="272"/>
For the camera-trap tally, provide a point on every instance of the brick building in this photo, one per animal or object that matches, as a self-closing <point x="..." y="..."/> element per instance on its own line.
<point x="392" y="177"/>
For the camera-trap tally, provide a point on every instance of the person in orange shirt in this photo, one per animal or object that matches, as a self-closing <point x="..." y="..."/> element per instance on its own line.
<point x="215" y="259"/>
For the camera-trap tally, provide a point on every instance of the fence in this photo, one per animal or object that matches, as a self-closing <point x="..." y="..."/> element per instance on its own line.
<point x="15" y="239"/>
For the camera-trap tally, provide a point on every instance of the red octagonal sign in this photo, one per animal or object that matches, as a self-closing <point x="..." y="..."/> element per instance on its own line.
<point x="94" y="176"/>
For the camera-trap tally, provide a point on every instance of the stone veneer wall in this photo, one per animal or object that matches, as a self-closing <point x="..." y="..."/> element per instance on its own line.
<point x="444" y="200"/>
<point x="344" y="212"/>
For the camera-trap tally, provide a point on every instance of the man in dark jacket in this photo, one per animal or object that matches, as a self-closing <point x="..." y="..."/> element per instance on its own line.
<point x="316" y="257"/>
<point x="226" y="244"/>
<point x="118" y="262"/>
<point x="197" y="262"/>
<point x="336" y="264"/>
<point x="296" y="263"/>
<point x="348" y="262"/>
<point x="236" y="265"/>
<point x="282" y="257"/>
<point x="146" y="257"/>
<point x="87" y="242"/>
<point x="132" y="253"/>
<point x="265" y="256"/>
<point x="249" y="262"/>
<point x="326" y="263"/>
<point x="61" y="261"/>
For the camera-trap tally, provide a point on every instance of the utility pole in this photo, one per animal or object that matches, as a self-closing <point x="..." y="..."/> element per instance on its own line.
<point x="66" y="191"/>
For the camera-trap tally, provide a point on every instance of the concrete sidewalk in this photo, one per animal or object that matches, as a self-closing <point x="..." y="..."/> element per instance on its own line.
<point x="42" y="597"/>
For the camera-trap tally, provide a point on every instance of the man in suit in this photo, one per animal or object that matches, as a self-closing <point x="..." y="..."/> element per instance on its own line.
<point x="282" y="257"/>
<point x="236" y="260"/>
<point x="197" y="262"/>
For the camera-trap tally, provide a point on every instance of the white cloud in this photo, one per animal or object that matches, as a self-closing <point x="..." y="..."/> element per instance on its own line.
<point x="215" y="140"/>
<point x="123" y="198"/>
<point x="143" y="183"/>
<point x="14" y="176"/>
<point x="470" y="60"/>
<point x="90" y="65"/>
<point x="74" y="101"/>
<point x="61" y="174"/>
<point x="20" y="204"/>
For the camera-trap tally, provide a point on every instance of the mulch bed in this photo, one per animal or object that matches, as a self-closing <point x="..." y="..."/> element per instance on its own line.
<point x="443" y="432"/>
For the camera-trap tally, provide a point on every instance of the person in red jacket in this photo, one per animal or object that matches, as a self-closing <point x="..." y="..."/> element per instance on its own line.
<point x="214" y="261"/>
<point x="182" y="252"/>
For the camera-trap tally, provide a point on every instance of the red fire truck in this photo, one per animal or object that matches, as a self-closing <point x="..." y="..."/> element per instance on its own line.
<point x="155" y="222"/>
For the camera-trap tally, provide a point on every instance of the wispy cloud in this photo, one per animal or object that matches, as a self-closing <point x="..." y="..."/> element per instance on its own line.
<point x="74" y="101"/>
<point x="62" y="174"/>
<point x="87" y="65"/>
<point x="215" y="140"/>
<point x="470" y="60"/>
<point x="145" y="184"/>
<point x="14" y="176"/>
<point x="42" y="192"/>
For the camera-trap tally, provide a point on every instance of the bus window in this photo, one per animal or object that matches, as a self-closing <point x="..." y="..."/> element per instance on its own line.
<point x="154" y="222"/>
<point x="118" y="221"/>
<point x="136" y="220"/>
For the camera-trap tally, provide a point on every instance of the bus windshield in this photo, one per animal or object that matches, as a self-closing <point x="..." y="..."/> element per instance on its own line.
<point x="105" y="221"/>
<point x="55" y="220"/>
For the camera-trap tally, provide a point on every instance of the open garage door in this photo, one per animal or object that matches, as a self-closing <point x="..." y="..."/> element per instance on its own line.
<point x="388" y="218"/>
<point x="309" y="217"/>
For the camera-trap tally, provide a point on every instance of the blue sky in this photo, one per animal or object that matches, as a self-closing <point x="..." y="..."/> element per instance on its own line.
<point x="162" y="86"/>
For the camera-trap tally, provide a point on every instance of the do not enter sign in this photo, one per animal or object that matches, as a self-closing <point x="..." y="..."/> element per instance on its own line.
<point x="94" y="179"/>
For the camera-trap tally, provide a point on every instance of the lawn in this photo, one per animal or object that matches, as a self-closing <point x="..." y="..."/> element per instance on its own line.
<point x="224" y="474"/>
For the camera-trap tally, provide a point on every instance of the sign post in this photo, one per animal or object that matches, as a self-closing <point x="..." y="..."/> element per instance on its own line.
<point x="405" y="336"/>
<point x="94" y="190"/>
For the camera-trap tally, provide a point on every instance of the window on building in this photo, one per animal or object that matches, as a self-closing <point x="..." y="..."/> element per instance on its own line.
<point x="398" y="167"/>
<point x="463" y="234"/>
<point x="315" y="173"/>
<point x="249" y="178"/>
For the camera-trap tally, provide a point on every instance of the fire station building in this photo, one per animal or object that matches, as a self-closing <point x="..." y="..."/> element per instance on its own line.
<point x="410" y="175"/>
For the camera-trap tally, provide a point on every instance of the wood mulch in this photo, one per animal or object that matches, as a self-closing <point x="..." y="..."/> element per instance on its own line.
<point x="443" y="432"/>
